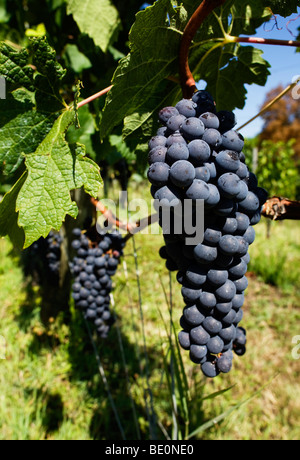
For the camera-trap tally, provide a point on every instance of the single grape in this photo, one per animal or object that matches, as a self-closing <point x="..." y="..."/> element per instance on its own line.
<point x="227" y="161"/>
<point x="227" y="120"/>
<point x="167" y="113"/>
<point x="177" y="151"/>
<point x="199" y="335"/>
<point x="199" y="152"/>
<point x="212" y="137"/>
<point x="158" y="174"/>
<point x="217" y="277"/>
<point x="224" y="364"/>
<point x="212" y="325"/>
<point x="197" y="352"/>
<point x="192" y="128"/>
<point x="210" y="120"/>
<point x="158" y="154"/>
<point x="182" y="173"/>
<point x="175" y="138"/>
<point x="186" y="107"/>
<point x="215" y="345"/>
<point x="193" y="316"/>
<point x="212" y="236"/>
<point x="184" y="340"/>
<point x="174" y="123"/>
<point x="210" y="369"/>
<point x="198" y="190"/>
<point x="202" y="173"/>
<point x="229" y="185"/>
<point x="232" y="140"/>
<point x="205" y="254"/>
<point x="228" y="244"/>
<point x="157" y="141"/>
<point x="196" y="275"/>
<point x="226" y="292"/>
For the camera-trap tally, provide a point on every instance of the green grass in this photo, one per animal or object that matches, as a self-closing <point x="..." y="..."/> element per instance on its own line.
<point x="51" y="387"/>
<point x="275" y="256"/>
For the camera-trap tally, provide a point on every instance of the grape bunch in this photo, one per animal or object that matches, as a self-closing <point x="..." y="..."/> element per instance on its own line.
<point x="197" y="155"/>
<point x="42" y="259"/>
<point x="93" y="267"/>
<point x="53" y="244"/>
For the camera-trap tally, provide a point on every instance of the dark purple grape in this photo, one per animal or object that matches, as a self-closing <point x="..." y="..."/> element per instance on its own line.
<point x="232" y="140"/>
<point x="228" y="161"/>
<point x="158" y="154"/>
<point x="177" y="151"/>
<point x="174" y="123"/>
<point x="158" y="174"/>
<point x="210" y="120"/>
<point x="186" y="107"/>
<point x="157" y="141"/>
<point x="167" y="113"/>
<point x="227" y="120"/>
<point x="212" y="137"/>
<point x="192" y="128"/>
<point x="182" y="173"/>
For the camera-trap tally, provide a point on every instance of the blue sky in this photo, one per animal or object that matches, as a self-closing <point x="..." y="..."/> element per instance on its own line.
<point x="285" y="64"/>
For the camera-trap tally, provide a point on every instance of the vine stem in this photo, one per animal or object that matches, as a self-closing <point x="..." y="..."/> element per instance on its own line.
<point x="111" y="217"/>
<point x="132" y="229"/>
<point x="186" y="78"/>
<point x="268" y="106"/>
<point x="274" y="208"/>
<point x="279" y="208"/>
<point x="94" y="96"/>
<point x="187" y="81"/>
<point x="264" y="41"/>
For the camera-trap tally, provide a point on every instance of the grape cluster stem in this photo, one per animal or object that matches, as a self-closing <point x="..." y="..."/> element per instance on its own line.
<point x="279" y="208"/>
<point x="188" y="83"/>
<point x="132" y="229"/>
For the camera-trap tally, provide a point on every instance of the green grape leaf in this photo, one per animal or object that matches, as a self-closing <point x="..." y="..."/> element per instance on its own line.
<point x="9" y="217"/>
<point x="143" y="122"/>
<point x="246" y="16"/>
<point x="144" y="80"/>
<point x="14" y="68"/>
<point x="121" y="148"/>
<point x="237" y="65"/>
<point x="22" y="129"/>
<point x="75" y="59"/>
<point x="139" y="75"/>
<point x="86" y="172"/>
<point x="97" y="18"/>
<point x="84" y="134"/>
<point x="53" y="171"/>
<point x="48" y="77"/>
<point x="33" y="100"/>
